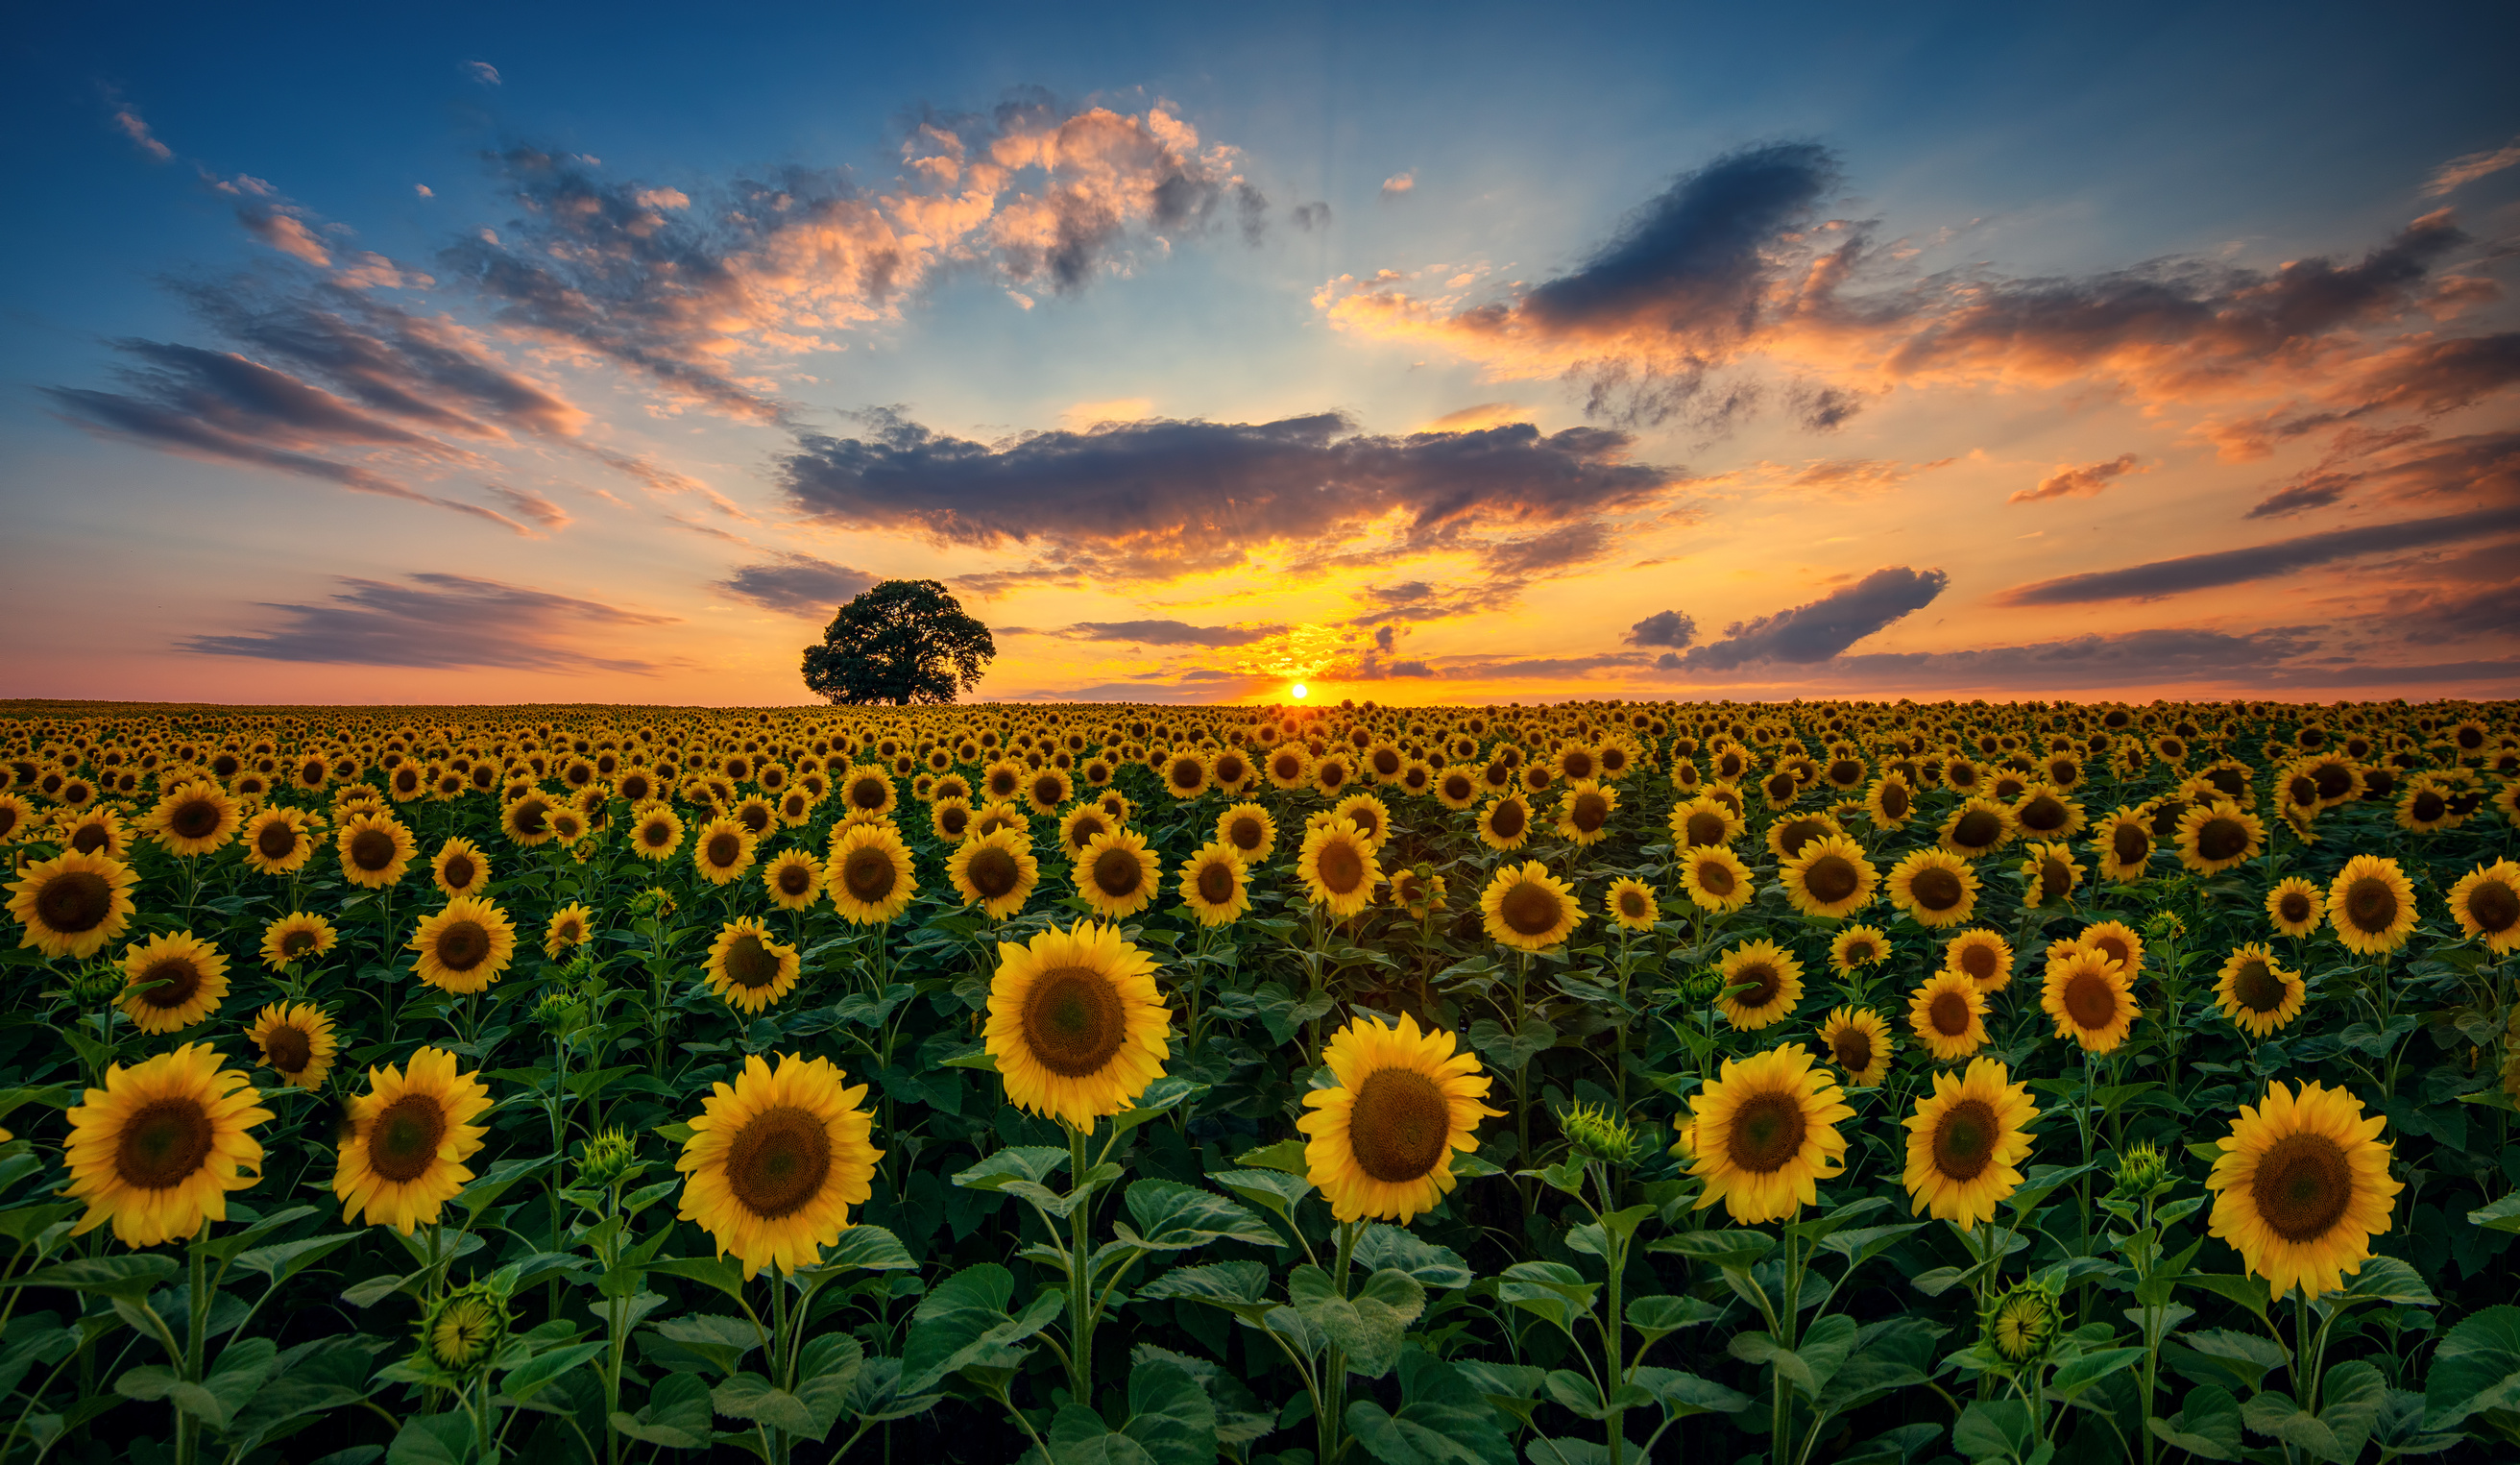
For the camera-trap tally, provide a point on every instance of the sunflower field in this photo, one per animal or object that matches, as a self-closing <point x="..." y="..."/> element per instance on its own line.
<point x="1598" y="1082"/>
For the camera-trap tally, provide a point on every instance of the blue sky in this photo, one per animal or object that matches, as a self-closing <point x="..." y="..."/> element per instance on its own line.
<point x="1361" y="184"/>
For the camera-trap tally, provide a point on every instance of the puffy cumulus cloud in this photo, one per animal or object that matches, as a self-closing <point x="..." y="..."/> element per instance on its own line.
<point x="2256" y="562"/>
<point x="797" y="585"/>
<point x="1817" y="631"/>
<point x="1169" y="632"/>
<point x="2085" y="482"/>
<point x="441" y="622"/>
<point x="1161" y="498"/>
<point x="1672" y="628"/>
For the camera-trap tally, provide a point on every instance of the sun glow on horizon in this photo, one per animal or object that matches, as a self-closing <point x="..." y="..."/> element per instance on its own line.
<point x="1298" y="691"/>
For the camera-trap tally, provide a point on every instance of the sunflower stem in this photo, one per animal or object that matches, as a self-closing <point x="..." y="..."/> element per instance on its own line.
<point x="188" y="1430"/>
<point x="1080" y="1277"/>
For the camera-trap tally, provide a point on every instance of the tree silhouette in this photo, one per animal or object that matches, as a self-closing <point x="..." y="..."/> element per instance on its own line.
<point x="904" y="641"/>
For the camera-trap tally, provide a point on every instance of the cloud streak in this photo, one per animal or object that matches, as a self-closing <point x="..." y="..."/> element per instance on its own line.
<point x="2086" y="482"/>
<point x="1817" y="631"/>
<point x="439" y="622"/>
<point x="797" y="585"/>
<point x="2232" y="566"/>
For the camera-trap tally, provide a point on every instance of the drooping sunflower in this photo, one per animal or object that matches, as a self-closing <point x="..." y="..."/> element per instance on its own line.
<point x="2296" y="906"/>
<point x="1830" y="878"/>
<point x="1505" y="823"/>
<point x="994" y="871"/>
<point x="1934" y="887"/>
<point x="2371" y="905"/>
<point x="1528" y="908"/>
<point x="409" y="1137"/>
<point x="1584" y="811"/>
<point x="1773" y="983"/>
<point x="1249" y="829"/>
<point x="2301" y="1187"/>
<point x="870" y="874"/>
<point x="193" y="818"/>
<point x="571" y="925"/>
<point x="1382" y="1140"/>
<point x="1213" y="885"/>
<point x="1075" y="1023"/>
<point x="375" y="850"/>
<point x="776" y="1159"/>
<point x="748" y="968"/>
<point x="2214" y="837"/>
<point x="1857" y="947"/>
<point x="2123" y="844"/>
<point x="1702" y="822"/>
<point x="278" y="842"/>
<point x="465" y="946"/>
<point x="170" y="981"/>
<point x="2256" y="992"/>
<point x="656" y="833"/>
<point x="293" y="1039"/>
<point x="1117" y="874"/>
<point x="722" y="851"/>
<point x="1948" y="1014"/>
<point x="1860" y="1043"/>
<point x="2119" y="942"/>
<point x="71" y="904"/>
<point x="1979" y="827"/>
<point x="2088" y="996"/>
<point x="1965" y="1142"/>
<point x="158" y="1149"/>
<point x="1714" y="879"/>
<point x="460" y="868"/>
<point x="1338" y="868"/>
<point x="294" y="938"/>
<point x="1764" y="1135"/>
<point x="1632" y="903"/>
<point x="2485" y="902"/>
<point x="2050" y="874"/>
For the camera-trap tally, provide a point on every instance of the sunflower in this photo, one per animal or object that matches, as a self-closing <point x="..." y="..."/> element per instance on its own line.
<point x="73" y="903"/>
<point x="871" y="878"/>
<point x="2257" y="994"/>
<point x="1770" y="980"/>
<point x="1529" y="909"/>
<point x="1830" y="878"/>
<point x="171" y="982"/>
<point x="656" y="833"/>
<point x="1714" y="879"/>
<point x="15" y="818"/>
<point x="293" y="1041"/>
<point x="794" y="880"/>
<point x="526" y="821"/>
<point x="1289" y="766"/>
<point x="375" y="851"/>
<point x="1787" y="839"/>
<point x="294" y="938"/>
<point x="1383" y="1138"/>
<point x="2296" y="906"/>
<point x="2044" y="813"/>
<point x="1857" y="947"/>
<point x="158" y="1149"/>
<point x="1075" y="1023"/>
<point x="1338" y="868"/>
<point x="195" y="818"/>
<point x="2088" y="995"/>
<point x="722" y="851"/>
<point x="1948" y="1014"/>
<point x="2371" y="905"/>
<point x="2214" y="837"/>
<point x="1890" y="800"/>
<point x="1764" y="1135"/>
<point x="571" y="925"/>
<point x="460" y="868"/>
<point x="1213" y="885"/>
<point x="2118" y="941"/>
<point x="1045" y="789"/>
<point x="2050" y="874"/>
<point x="1417" y="890"/>
<point x="1859" y="1042"/>
<point x="1370" y="816"/>
<point x="1081" y="826"/>
<point x="776" y="1159"/>
<point x="2301" y="1187"/>
<point x="1584" y="811"/>
<point x="950" y="819"/>
<point x="868" y="789"/>
<point x="1934" y="887"/>
<point x="1248" y="828"/>
<point x="1979" y="827"/>
<point x="409" y="1137"/>
<point x="1505" y="823"/>
<point x="2424" y="807"/>
<point x="2123" y="843"/>
<point x="1965" y="1142"/>
<point x="994" y="871"/>
<point x="1457" y="788"/>
<point x="2486" y="904"/>
<point x="1117" y="874"/>
<point x="1632" y="904"/>
<point x="277" y="841"/>
<point x="1704" y="822"/>
<point x="464" y="947"/>
<point x="748" y="968"/>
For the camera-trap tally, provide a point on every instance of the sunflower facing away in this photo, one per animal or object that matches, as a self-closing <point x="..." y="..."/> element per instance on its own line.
<point x="1117" y="874"/>
<point x="1715" y="880"/>
<point x="1764" y="1135"/>
<point x="410" y="1134"/>
<point x="170" y="981"/>
<point x="1986" y="958"/>
<point x="293" y="1039"/>
<point x="2257" y="994"/>
<point x="1213" y="885"/>
<point x="464" y="947"/>
<point x="748" y="968"/>
<point x="2296" y="906"/>
<point x="2088" y="995"/>
<point x="71" y="904"/>
<point x="2301" y="1187"/>
<point x="294" y="938"/>
<point x="1948" y="1014"/>
<point x="994" y="871"/>
<point x="374" y="848"/>
<point x="776" y="1159"/>
<point x="1337" y="868"/>
<point x="1859" y="1042"/>
<point x="2371" y="905"/>
<point x="1075" y="1023"/>
<point x="1772" y="983"/>
<point x="158" y="1149"/>
<point x="1934" y="887"/>
<point x="1529" y="909"/>
<point x="2485" y="902"/>
<point x="870" y="874"/>
<point x="1965" y="1142"/>
<point x="1829" y="877"/>
<point x="1382" y="1139"/>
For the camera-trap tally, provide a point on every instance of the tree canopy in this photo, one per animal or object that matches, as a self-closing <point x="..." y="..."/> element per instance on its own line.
<point x="901" y="642"/>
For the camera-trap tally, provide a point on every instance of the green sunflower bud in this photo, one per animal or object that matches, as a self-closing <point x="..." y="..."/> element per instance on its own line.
<point x="461" y="1334"/>
<point x="97" y="981"/>
<point x="1702" y="986"/>
<point x="607" y="1158"/>
<point x="1599" y="1137"/>
<point x="2021" y="1327"/>
<point x="2141" y="1168"/>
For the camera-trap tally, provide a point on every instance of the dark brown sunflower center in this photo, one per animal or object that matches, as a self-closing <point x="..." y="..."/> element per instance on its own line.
<point x="655" y="834"/>
<point x="530" y="814"/>
<point x="1964" y="1143"/>
<point x="1977" y="829"/>
<point x="298" y="942"/>
<point x="750" y="963"/>
<point x="1506" y="820"/>
<point x="2493" y="906"/>
<point x="2091" y="1001"/>
<point x="462" y="944"/>
<point x="1766" y="1130"/>
<point x="1401" y="1126"/>
<point x="1188" y="774"/>
<point x="1286" y="766"/>
<point x="288" y="1049"/>
<point x="2294" y="906"/>
<point x="954" y="820"/>
<point x="1853" y="1049"/>
<point x="1590" y="813"/>
<point x="1948" y="1012"/>
<point x="1634" y="905"/>
<point x="1215" y="883"/>
<point x="459" y="871"/>
<point x="1832" y="878"/>
<point x="1084" y="832"/>
<point x="2130" y="844"/>
<point x="1457" y="786"/>
<point x="1048" y="789"/>
<point x="1245" y="833"/>
<point x="1764" y="982"/>
<point x="725" y="847"/>
<point x="164" y="1144"/>
<point x="1715" y="878"/>
<point x="76" y="901"/>
<point x="403" y="1139"/>
<point x="1117" y="872"/>
<point x="277" y="841"/>
<point x="2114" y="948"/>
<point x="1894" y="800"/>
<point x="1977" y="959"/>
<point x="1936" y="889"/>
<point x="1530" y="908"/>
<point x="778" y="1163"/>
<point x="869" y="793"/>
<point x="2257" y="988"/>
<point x="1073" y="1021"/>
<point x="796" y="879"/>
<point x="2429" y="805"/>
<point x="2054" y="879"/>
<point x="868" y="874"/>
<point x="1340" y="867"/>
<point x="993" y="872"/>
<point x="2043" y="816"/>
<point x="1705" y="827"/>
<point x="2220" y="839"/>
<point x="193" y="818"/>
<point x="1230" y="770"/>
<point x="372" y="850"/>
<point x="168" y="982"/>
<point x="2302" y="1184"/>
<point x="2370" y="905"/>
<point x="1799" y="833"/>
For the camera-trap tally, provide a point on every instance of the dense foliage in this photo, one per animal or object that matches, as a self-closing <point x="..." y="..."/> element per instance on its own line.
<point x="1813" y="1083"/>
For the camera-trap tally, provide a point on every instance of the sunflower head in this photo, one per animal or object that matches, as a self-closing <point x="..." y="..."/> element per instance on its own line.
<point x="1965" y="1142"/>
<point x="1075" y="1023"/>
<point x="157" y="1150"/>
<point x="1382" y="1140"/>
<point x="1859" y="1042"/>
<point x="175" y="981"/>
<point x="870" y="875"/>
<point x="1633" y="905"/>
<point x="1528" y="908"/>
<point x="1714" y="879"/>
<point x="2301" y="1187"/>
<point x="1213" y="885"/>
<point x="2021" y="1326"/>
<point x="1338" y="868"/>
<point x="295" y="1040"/>
<point x="2485" y="902"/>
<point x="2086" y="995"/>
<point x="462" y="1332"/>
<point x="2371" y="905"/>
<point x="465" y="946"/>
<point x="1763" y="982"/>
<point x="1764" y="1135"/>
<point x="72" y="904"/>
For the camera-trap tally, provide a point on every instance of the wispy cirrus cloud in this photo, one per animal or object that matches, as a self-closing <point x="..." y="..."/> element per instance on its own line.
<point x="438" y="621"/>
<point x="1169" y="632"/>
<point x="2087" y="480"/>
<point x="2467" y="168"/>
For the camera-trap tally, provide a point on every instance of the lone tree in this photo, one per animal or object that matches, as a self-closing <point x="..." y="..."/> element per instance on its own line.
<point x="904" y="641"/>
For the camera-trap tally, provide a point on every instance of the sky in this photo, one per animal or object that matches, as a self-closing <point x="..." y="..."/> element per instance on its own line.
<point x="1426" y="354"/>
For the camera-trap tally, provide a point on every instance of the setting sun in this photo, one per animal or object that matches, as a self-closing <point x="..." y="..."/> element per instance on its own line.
<point x="1297" y="691"/>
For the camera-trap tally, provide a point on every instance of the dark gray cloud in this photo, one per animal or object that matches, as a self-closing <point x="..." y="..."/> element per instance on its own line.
<point x="2404" y="465"/>
<point x="2232" y="566"/>
<point x="438" y="622"/>
<point x="1168" y="632"/>
<point x="1819" y="630"/>
<point x="797" y="583"/>
<point x="1672" y="628"/>
<point x="1549" y="552"/>
<point x="1311" y="216"/>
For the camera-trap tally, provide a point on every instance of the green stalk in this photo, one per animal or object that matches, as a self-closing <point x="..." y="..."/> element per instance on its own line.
<point x="188" y="1430"/>
<point x="1080" y="1278"/>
